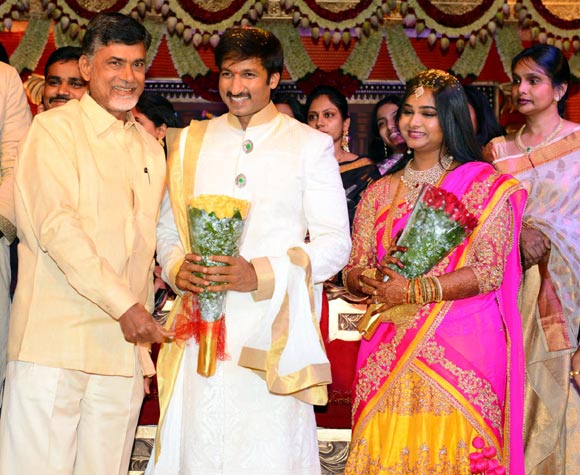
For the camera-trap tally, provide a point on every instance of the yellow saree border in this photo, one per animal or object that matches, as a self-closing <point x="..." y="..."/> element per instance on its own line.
<point x="307" y="384"/>
<point x="433" y="314"/>
<point x="180" y="184"/>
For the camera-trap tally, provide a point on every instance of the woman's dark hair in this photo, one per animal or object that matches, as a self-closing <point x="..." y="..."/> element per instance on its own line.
<point x="554" y="64"/>
<point x="334" y="95"/>
<point x="488" y="127"/>
<point x="293" y="103"/>
<point x="239" y="44"/>
<point x="157" y="109"/>
<point x="451" y="104"/>
<point x="378" y="150"/>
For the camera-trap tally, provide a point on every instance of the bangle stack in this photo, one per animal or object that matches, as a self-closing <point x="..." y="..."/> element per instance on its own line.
<point x="423" y="290"/>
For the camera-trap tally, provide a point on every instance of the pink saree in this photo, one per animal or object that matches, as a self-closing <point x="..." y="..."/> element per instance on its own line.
<point x="426" y="388"/>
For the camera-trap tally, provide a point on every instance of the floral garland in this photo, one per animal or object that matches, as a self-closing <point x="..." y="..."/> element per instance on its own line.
<point x="29" y="51"/>
<point x="462" y="24"/>
<point x="574" y="63"/>
<point x="81" y="11"/>
<point x="549" y="22"/>
<point x="508" y="45"/>
<point x="348" y="18"/>
<point x="62" y="38"/>
<point x="297" y="61"/>
<point x="7" y="7"/>
<point x="157" y="30"/>
<point x="363" y="57"/>
<point x="209" y="17"/>
<point x="205" y="20"/>
<point x="185" y="58"/>
<point x="405" y="60"/>
<point x="472" y="60"/>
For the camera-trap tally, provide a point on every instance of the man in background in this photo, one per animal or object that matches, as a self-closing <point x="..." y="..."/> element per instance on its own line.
<point x="14" y="122"/>
<point x="62" y="78"/>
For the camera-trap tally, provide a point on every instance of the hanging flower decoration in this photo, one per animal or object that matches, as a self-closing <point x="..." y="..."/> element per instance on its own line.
<point x="482" y="21"/>
<point x="12" y="10"/>
<point x="355" y="14"/>
<point x="546" y="26"/>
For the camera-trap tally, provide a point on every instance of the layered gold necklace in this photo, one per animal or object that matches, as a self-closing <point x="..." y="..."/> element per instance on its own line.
<point x="414" y="179"/>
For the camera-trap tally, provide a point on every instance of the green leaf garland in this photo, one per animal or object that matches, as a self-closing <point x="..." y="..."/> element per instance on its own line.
<point x="364" y="55"/>
<point x="405" y="60"/>
<point x="297" y="61"/>
<point x="508" y="45"/>
<point x="156" y="29"/>
<point x="185" y="57"/>
<point x="472" y="61"/>
<point x="29" y="51"/>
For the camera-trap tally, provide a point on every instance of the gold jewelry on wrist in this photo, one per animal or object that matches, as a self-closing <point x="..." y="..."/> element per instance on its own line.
<point x="423" y="290"/>
<point x="574" y="373"/>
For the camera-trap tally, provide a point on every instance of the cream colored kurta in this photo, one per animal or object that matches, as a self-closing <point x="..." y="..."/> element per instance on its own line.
<point x="14" y="123"/>
<point x="88" y="189"/>
<point x="230" y="423"/>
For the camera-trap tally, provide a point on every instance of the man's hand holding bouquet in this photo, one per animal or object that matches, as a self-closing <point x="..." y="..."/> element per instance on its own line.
<point x="213" y="267"/>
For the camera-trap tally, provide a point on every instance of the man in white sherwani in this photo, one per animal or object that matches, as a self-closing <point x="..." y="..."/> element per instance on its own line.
<point x="254" y="415"/>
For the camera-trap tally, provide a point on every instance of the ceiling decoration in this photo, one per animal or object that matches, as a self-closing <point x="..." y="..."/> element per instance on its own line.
<point x="466" y="29"/>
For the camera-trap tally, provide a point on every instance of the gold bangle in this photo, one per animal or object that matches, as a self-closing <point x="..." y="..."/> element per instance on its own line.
<point x="574" y="373"/>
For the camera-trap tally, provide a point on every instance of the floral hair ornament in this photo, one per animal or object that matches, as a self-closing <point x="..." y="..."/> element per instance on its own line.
<point x="434" y="79"/>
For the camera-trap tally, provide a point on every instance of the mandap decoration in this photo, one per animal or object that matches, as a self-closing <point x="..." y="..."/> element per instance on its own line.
<point x="360" y="31"/>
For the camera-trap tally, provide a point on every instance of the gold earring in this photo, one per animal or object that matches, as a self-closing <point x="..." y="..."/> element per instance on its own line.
<point x="161" y="141"/>
<point x="344" y="141"/>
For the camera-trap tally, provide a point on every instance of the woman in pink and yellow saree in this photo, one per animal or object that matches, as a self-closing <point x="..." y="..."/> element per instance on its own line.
<point x="451" y="370"/>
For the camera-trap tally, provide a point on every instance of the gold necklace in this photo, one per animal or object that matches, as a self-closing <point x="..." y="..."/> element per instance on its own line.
<point x="528" y="150"/>
<point x="414" y="179"/>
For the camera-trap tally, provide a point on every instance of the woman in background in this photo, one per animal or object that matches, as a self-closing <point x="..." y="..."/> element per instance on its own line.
<point x="451" y="370"/>
<point x="386" y="144"/>
<point x="544" y="154"/>
<point x="327" y="111"/>
<point x="483" y="117"/>
<point x="156" y="114"/>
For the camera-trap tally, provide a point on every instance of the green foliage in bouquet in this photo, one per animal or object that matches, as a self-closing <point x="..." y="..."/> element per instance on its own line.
<point x="438" y="223"/>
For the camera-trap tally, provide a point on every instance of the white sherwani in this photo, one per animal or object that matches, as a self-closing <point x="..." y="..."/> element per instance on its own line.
<point x="230" y="423"/>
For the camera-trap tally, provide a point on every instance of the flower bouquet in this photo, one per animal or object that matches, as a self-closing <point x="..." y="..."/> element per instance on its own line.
<point x="438" y="223"/>
<point x="215" y="224"/>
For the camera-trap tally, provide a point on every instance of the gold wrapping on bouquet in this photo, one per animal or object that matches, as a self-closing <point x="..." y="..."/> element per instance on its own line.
<point x="208" y="341"/>
<point x="371" y="320"/>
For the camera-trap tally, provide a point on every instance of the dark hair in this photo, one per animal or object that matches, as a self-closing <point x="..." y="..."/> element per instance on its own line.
<point x="3" y="54"/>
<point x="157" y="109"/>
<point x="554" y="64"/>
<point x="333" y="94"/>
<point x="107" y="28"/>
<point x="293" y="103"/>
<point x="458" y="134"/>
<point x="64" y="54"/>
<point x="377" y="148"/>
<point x="239" y="44"/>
<point x="488" y="127"/>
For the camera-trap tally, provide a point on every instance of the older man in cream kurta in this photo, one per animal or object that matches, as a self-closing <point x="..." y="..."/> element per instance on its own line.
<point x="14" y="123"/>
<point x="87" y="193"/>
